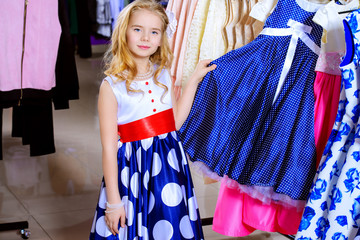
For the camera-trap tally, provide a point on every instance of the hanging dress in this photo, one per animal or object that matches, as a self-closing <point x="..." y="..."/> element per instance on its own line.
<point x="205" y="38"/>
<point x="328" y="75"/>
<point x="253" y="116"/>
<point x="184" y="12"/>
<point x="239" y="214"/>
<point x="154" y="177"/>
<point x="194" y="39"/>
<point x="213" y="44"/>
<point x="333" y="207"/>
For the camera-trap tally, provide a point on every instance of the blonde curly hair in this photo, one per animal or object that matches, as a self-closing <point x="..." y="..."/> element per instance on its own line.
<point x="118" y="57"/>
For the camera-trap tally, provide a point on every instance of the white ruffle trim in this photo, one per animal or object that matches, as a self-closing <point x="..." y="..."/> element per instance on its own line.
<point x="265" y="194"/>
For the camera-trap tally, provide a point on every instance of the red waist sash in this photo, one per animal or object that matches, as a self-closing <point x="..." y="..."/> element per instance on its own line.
<point x="154" y="125"/>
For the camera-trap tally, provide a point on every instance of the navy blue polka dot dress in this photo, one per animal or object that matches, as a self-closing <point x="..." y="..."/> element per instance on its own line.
<point x="253" y="116"/>
<point x="154" y="177"/>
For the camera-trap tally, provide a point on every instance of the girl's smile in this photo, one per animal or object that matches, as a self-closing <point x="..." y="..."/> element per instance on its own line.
<point x="144" y="34"/>
<point x="143" y="47"/>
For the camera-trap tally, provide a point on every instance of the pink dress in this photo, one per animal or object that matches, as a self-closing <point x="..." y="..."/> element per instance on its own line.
<point x="328" y="75"/>
<point x="326" y="92"/>
<point x="183" y="11"/>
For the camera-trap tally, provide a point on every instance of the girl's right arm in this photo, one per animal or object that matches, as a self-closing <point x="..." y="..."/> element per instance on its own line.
<point x="107" y="108"/>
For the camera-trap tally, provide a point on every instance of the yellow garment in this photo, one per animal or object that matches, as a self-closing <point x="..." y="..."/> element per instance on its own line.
<point x="195" y="36"/>
<point x="213" y="42"/>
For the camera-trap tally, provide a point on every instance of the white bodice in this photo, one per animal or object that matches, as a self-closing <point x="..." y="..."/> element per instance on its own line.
<point x="333" y="44"/>
<point x="329" y="18"/>
<point x="135" y="106"/>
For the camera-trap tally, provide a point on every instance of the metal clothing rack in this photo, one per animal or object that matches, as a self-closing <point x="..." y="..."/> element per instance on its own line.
<point x="208" y="221"/>
<point x="25" y="234"/>
<point x="21" y="226"/>
<point x="348" y="11"/>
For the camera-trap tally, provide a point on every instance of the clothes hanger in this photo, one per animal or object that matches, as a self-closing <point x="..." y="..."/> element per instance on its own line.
<point x="347" y="11"/>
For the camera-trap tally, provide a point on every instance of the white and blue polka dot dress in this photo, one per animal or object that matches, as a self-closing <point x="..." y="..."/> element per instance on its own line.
<point x="154" y="177"/>
<point x="253" y="116"/>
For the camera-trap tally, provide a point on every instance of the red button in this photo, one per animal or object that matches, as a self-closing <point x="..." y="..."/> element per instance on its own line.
<point x="152" y="100"/>
<point x="154" y="110"/>
<point x="150" y="91"/>
<point x="147" y="83"/>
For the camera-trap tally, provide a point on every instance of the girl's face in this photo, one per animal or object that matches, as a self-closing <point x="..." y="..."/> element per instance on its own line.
<point x="144" y="34"/>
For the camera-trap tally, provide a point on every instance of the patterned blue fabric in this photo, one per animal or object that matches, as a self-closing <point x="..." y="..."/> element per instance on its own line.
<point x="333" y="207"/>
<point x="155" y="185"/>
<point x="235" y="128"/>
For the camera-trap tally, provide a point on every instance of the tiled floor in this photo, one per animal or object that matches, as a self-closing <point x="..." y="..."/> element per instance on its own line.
<point x="57" y="193"/>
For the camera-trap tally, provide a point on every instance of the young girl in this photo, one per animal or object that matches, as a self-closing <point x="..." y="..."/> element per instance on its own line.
<point x="147" y="191"/>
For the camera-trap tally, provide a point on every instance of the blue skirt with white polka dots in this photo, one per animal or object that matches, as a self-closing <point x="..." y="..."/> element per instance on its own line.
<point x="156" y="186"/>
<point x="237" y="126"/>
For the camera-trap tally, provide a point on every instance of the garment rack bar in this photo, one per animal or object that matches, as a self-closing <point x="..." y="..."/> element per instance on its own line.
<point x="348" y="11"/>
<point x="288" y="236"/>
<point x="206" y="221"/>
<point x="209" y="221"/>
<point x="14" y="226"/>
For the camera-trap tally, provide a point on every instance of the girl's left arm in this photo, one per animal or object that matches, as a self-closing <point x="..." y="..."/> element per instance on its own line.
<point x="182" y="106"/>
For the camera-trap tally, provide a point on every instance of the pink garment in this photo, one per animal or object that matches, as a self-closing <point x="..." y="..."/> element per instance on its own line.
<point x="237" y="214"/>
<point x="329" y="62"/>
<point x="184" y="11"/>
<point x="327" y="93"/>
<point x="42" y="35"/>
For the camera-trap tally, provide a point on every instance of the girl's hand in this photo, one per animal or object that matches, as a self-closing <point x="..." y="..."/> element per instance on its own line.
<point x="201" y="70"/>
<point x="112" y="218"/>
